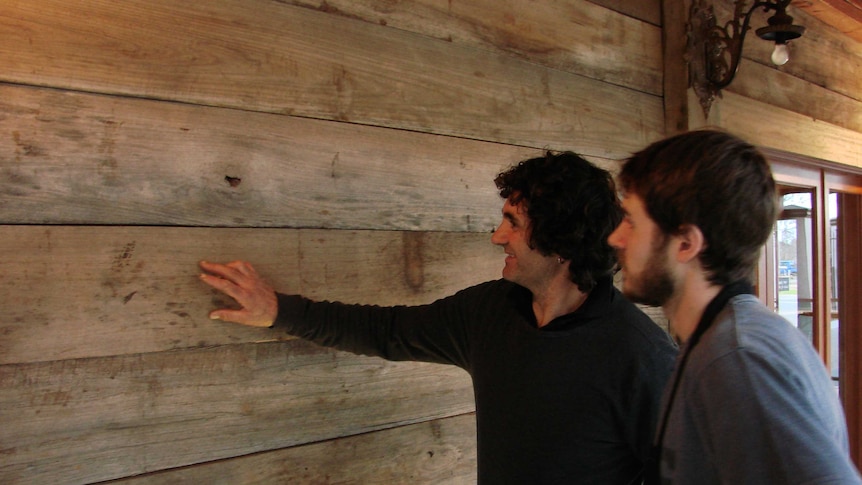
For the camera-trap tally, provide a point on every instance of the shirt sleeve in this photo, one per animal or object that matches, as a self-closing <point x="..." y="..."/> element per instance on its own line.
<point x="436" y="332"/>
<point x="653" y="372"/>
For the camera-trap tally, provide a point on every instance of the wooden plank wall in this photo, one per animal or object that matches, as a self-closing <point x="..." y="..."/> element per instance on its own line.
<point x="810" y="106"/>
<point x="346" y="148"/>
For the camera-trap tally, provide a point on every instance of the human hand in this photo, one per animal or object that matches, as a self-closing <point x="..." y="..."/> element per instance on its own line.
<point x="240" y="281"/>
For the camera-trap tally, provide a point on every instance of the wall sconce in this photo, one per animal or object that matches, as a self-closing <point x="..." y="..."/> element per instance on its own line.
<point x="713" y="51"/>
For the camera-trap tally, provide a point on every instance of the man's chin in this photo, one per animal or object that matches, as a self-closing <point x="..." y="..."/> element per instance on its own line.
<point x="639" y="297"/>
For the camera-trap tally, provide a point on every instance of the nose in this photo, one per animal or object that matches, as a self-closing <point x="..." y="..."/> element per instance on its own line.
<point x="616" y="239"/>
<point x="498" y="236"/>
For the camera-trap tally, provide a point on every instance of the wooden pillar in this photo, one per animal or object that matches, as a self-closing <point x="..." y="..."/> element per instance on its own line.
<point x="674" y="40"/>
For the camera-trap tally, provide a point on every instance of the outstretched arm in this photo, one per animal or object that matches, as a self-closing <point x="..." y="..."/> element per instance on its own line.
<point x="240" y="281"/>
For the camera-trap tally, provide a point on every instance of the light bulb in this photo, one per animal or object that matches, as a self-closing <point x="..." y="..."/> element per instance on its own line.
<point x="780" y="55"/>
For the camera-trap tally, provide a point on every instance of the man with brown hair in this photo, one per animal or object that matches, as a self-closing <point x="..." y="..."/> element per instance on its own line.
<point x="750" y="400"/>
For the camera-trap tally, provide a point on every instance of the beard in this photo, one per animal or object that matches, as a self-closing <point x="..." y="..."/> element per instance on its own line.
<point x="654" y="286"/>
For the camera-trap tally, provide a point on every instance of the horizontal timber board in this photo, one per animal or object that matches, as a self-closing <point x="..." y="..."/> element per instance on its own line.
<point x="72" y="158"/>
<point x="267" y="56"/>
<point x="578" y="37"/>
<point x="845" y="16"/>
<point x="81" y="421"/>
<point x="81" y="291"/>
<point x="439" y="451"/>
<point x="759" y="82"/>
<point x="646" y="10"/>
<point x="772" y="127"/>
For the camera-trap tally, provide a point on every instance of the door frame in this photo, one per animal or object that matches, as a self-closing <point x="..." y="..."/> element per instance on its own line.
<point x="823" y="178"/>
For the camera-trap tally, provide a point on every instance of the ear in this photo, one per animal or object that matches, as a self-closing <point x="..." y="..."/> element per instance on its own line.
<point x="689" y="243"/>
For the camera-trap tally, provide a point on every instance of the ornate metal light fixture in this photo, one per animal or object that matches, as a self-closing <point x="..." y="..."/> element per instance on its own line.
<point x="714" y="51"/>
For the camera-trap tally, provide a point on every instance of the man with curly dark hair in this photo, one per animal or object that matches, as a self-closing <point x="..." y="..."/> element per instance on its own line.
<point x="567" y="374"/>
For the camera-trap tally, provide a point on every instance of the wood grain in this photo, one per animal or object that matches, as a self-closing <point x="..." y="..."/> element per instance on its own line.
<point x="209" y="53"/>
<point x="676" y="78"/>
<point x="797" y="95"/>
<point x="439" y="451"/>
<point x="646" y="10"/>
<point x="88" y="291"/>
<point x="71" y="158"/>
<point x="845" y="16"/>
<point x="772" y="127"/>
<point x="86" y="420"/>
<point x="841" y="73"/>
<point x="576" y="37"/>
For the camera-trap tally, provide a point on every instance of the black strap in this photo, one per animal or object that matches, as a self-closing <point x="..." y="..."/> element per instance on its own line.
<point x="712" y="310"/>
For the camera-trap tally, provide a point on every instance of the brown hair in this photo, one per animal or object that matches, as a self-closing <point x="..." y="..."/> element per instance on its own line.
<point x="712" y="180"/>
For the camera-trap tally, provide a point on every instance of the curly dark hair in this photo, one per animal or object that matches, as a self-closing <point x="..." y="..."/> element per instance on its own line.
<point x="573" y="207"/>
<point x="715" y="181"/>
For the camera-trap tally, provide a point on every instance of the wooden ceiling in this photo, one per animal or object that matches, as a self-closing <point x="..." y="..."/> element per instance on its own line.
<point x="843" y="15"/>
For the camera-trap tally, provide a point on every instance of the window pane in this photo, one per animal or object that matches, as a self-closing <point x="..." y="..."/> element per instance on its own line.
<point x="834" y="334"/>
<point x="794" y="238"/>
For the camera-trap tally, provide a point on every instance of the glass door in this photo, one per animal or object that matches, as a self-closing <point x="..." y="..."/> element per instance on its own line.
<point x="844" y="212"/>
<point x="793" y="264"/>
<point x="834" y="295"/>
<point x="811" y="270"/>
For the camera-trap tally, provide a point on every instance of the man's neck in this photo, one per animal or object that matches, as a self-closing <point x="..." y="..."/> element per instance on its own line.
<point x="557" y="300"/>
<point x="686" y="307"/>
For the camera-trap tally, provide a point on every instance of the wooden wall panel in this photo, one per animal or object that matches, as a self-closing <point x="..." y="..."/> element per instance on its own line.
<point x="760" y="82"/>
<point x="774" y="127"/>
<point x="577" y="37"/>
<point x="347" y="149"/>
<point x="440" y="451"/>
<point x="78" y="158"/>
<point x="646" y="10"/>
<point x="265" y="56"/>
<point x="845" y="16"/>
<point x="86" y="291"/>
<point x="86" y="420"/>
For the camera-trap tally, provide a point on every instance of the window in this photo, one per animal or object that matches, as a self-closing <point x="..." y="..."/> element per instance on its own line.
<point x="811" y="269"/>
<point x="792" y="241"/>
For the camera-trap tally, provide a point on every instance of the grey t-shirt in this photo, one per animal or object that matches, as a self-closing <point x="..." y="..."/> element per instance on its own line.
<point x="755" y="405"/>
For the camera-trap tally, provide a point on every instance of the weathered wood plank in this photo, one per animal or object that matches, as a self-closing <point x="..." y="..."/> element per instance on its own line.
<point x="71" y="158"/>
<point x="75" y="292"/>
<point x="440" y="451"/>
<point x="773" y="127"/>
<point x="577" y="37"/>
<point x="646" y="10"/>
<point x="798" y="95"/>
<point x="265" y="56"/>
<point x="80" y="421"/>
<point x="845" y="16"/>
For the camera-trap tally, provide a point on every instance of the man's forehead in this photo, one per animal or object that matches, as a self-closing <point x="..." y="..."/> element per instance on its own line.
<point x="518" y="208"/>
